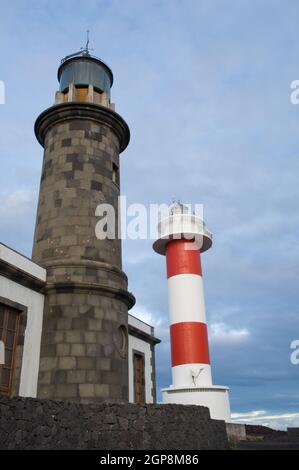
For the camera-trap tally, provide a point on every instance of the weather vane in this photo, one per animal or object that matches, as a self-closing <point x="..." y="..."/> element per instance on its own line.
<point x="86" y="49"/>
<point x="87" y="37"/>
<point x="83" y="50"/>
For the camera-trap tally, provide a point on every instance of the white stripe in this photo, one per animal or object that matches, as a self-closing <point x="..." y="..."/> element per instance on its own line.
<point x="186" y="298"/>
<point x="191" y="375"/>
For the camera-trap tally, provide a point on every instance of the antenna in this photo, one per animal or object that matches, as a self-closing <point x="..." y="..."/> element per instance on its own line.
<point x="86" y="49"/>
<point x="87" y="42"/>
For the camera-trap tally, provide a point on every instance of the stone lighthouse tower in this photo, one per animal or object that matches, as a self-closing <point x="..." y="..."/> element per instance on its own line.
<point x="85" y="329"/>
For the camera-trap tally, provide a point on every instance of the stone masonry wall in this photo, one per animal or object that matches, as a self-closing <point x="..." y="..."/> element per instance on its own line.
<point x="27" y="423"/>
<point x="77" y="176"/>
<point x="84" y="344"/>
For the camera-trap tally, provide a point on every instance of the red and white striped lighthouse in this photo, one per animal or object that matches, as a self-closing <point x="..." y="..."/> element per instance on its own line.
<point x="188" y="328"/>
<point x="183" y="236"/>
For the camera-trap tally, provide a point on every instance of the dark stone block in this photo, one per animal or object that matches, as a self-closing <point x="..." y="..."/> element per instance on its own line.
<point x="101" y="170"/>
<point x="48" y="350"/>
<point x="93" y="135"/>
<point x="66" y="142"/>
<point x="78" y="166"/>
<point x="73" y="158"/>
<point x="80" y="323"/>
<point x="59" y="376"/>
<point x="80" y="125"/>
<point x="96" y="185"/>
<point x="68" y="175"/>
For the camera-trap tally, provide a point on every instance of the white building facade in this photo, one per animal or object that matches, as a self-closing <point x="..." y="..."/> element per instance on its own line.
<point x="22" y="284"/>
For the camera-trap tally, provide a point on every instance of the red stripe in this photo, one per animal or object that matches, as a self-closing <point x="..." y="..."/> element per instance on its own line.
<point x="181" y="260"/>
<point x="189" y="343"/>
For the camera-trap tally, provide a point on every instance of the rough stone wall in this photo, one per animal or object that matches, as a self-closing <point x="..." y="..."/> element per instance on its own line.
<point x="27" y="423"/>
<point x="293" y="434"/>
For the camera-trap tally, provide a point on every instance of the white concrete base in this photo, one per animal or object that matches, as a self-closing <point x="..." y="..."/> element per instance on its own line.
<point x="215" y="397"/>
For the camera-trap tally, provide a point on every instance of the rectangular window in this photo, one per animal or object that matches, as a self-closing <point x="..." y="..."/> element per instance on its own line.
<point x="115" y="174"/>
<point x="81" y="93"/>
<point x="139" y="378"/>
<point x="9" y="327"/>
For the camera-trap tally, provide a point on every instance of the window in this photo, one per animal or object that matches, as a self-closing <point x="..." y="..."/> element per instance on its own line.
<point x="9" y="326"/>
<point x="115" y="174"/>
<point x="139" y="382"/>
<point x="81" y="93"/>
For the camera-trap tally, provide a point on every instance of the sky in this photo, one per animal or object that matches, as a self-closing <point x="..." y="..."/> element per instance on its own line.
<point x="205" y="88"/>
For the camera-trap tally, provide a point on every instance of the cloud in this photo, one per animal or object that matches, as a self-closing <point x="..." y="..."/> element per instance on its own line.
<point x="17" y="219"/>
<point x="261" y="417"/>
<point x="142" y="312"/>
<point x="15" y="203"/>
<point x="223" y="334"/>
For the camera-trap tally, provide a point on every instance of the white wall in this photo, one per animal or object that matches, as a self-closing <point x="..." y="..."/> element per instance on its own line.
<point x="16" y="259"/>
<point x="139" y="345"/>
<point x="35" y="304"/>
<point x="141" y="325"/>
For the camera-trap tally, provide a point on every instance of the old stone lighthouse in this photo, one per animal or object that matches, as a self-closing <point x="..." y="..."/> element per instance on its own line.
<point x="66" y="310"/>
<point x="86" y="311"/>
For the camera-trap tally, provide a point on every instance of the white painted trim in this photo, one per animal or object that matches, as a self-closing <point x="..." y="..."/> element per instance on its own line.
<point x="138" y="345"/>
<point x="141" y="325"/>
<point x="2" y="353"/>
<point x="25" y="264"/>
<point x="34" y="302"/>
